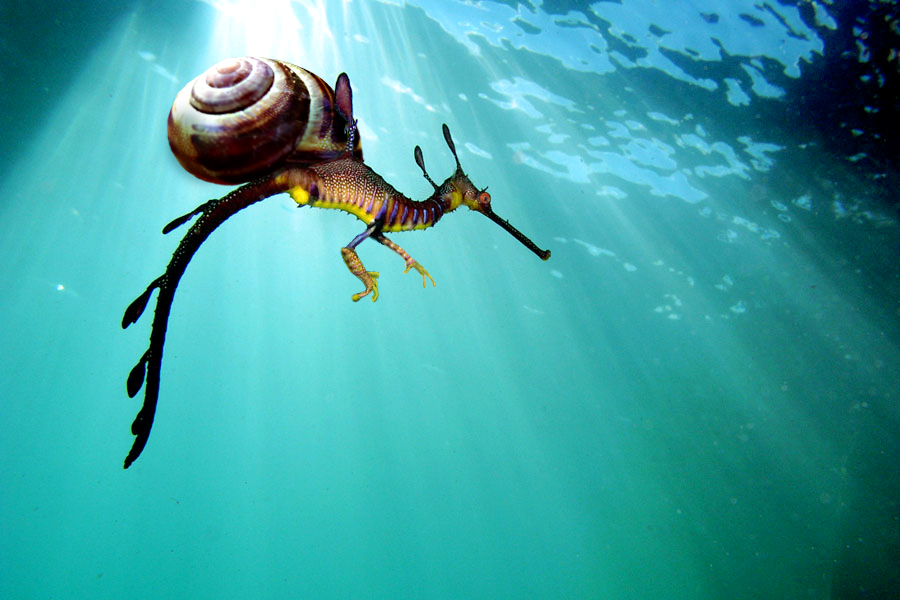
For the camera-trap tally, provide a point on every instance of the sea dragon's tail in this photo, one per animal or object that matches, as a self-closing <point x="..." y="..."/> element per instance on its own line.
<point x="211" y="215"/>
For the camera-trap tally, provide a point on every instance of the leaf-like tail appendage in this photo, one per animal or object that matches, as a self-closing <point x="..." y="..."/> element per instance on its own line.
<point x="136" y="378"/>
<point x="136" y="308"/>
<point x="176" y="223"/>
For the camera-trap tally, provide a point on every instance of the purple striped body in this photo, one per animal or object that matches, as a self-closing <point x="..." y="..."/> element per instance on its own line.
<point x="351" y="186"/>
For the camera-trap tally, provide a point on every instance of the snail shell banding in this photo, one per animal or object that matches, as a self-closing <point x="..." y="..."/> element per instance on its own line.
<point x="246" y="117"/>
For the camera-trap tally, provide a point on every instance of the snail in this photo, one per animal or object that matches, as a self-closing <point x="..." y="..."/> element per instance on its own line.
<point x="246" y="117"/>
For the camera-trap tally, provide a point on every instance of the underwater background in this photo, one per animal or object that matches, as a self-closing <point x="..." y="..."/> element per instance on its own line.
<point x="695" y="397"/>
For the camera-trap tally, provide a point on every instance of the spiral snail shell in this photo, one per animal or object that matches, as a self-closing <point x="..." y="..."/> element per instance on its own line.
<point x="246" y="117"/>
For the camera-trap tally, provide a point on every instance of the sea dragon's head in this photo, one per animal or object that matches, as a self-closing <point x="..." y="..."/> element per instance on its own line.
<point x="458" y="190"/>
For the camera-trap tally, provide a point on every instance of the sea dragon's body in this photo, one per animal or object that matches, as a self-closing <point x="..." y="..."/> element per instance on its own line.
<point x="344" y="183"/>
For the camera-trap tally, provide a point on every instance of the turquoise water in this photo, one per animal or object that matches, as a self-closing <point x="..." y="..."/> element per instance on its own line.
<point x="695" y="397"/>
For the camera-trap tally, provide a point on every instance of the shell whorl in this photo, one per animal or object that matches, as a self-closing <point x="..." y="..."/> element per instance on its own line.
<point x="246" y="117"/>
<point x="231" y="85"/>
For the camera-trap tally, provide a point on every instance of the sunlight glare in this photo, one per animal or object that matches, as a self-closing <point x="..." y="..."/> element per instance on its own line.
<point x="297" y="31"/>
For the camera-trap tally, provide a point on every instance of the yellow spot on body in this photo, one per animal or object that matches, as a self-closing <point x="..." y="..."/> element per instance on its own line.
<point x="299" y="195"/>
